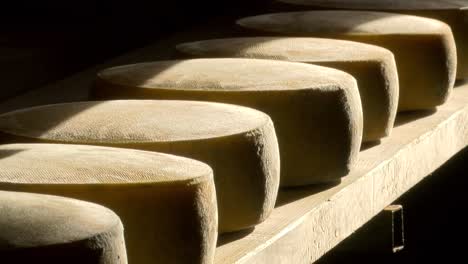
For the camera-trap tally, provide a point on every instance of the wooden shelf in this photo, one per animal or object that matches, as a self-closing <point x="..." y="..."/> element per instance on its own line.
<point x="308" y="222"/>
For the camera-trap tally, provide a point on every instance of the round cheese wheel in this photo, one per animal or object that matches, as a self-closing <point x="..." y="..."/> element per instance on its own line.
<point x="239" y="143"/>
<point x="373" y="67"/>
<point x="316" y="110"/>
<point x="36" y="228"/>
<point x="424" y="48"/>
<point x="452" y="12"/>
<point x="167" y="203"/>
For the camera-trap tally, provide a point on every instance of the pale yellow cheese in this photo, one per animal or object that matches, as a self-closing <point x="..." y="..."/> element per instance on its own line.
<point x="167" y="203"/>
<point x="373" y="67"/>
<point x="452" y="12"/>
<point x="316" y="110"/>
<point x="36" y="228"/>
<point x="424" y="48"/>
<point x="239" y="143"/>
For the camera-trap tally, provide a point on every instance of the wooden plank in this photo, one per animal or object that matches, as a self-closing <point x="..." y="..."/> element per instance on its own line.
<point x="308" y="222"/>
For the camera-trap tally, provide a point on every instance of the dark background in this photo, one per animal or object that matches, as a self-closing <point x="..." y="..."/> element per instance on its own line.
<point x="41" y="41"/>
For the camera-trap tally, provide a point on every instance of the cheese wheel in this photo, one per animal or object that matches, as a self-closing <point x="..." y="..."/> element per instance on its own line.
<point x="167" y="203"/>
<point x="424" y="48"/>
<point x="373" y="67"/>
<point x="316" y="110"/>
<point x="36" y="228"/>
<point x="239" y="143"/>
<point x="452" y="12"/>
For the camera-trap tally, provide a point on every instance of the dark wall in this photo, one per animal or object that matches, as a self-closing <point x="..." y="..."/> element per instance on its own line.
<point x="42" y="41"/>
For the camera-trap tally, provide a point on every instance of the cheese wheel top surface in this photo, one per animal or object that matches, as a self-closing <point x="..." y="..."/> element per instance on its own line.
<point x="30" y="220"/>
<point x="291" y="49"/>
<point x="227" y="75"/>
<point x="131" y="121"/>
<point x="385" y="4"/>
<point x="78" y="164"/>
<point x="346" y="22"/>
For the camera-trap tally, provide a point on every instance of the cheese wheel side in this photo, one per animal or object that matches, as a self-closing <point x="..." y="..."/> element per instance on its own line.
<point x="167" y="204"/>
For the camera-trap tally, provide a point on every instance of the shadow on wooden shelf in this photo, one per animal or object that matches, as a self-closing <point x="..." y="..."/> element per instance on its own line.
<point x="406" y="117"/>
<point x="368" y="145"/>
<point x="291" y="194"/>
<point x="229" y="237"/>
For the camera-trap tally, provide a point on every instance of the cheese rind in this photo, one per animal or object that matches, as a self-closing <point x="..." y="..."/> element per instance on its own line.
<point x="239" y="143"/>
<point x="51" y="229"/>
<point x="167" y="203"/>
<point x="316" y="110"/>
<point x="424" y="48"/>
<point x="373" y="67"/>
<point x="452" y="12"/>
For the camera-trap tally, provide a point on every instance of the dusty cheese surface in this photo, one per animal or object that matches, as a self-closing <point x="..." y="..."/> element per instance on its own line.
<point x="345" y="22"/>
<point x="52" y="229"/>
<point x="76" y="164"/>
<point x="385" y="4"/>
<point x="229" y="75"/>
<point x="316" y="111"/>
<point x="290" y="49"/>
<point x="452" y="12"/>
<point x="30" y="220"/>
<point x="373" y="67"/>
<point x="33" y="220"/>
<point x="131" y="121"/>
<point x="424" y="48"/>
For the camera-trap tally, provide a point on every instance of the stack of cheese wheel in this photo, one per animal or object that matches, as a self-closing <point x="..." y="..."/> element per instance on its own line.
<point x="373" y="67"/>
<point x="316" y="110"/>
<point x="452" y="12"/>
<point x="424" y="48"/>
<point x="36" y="228"/>
<point x="167" y="203"/>
<point x="239" y="143"/>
